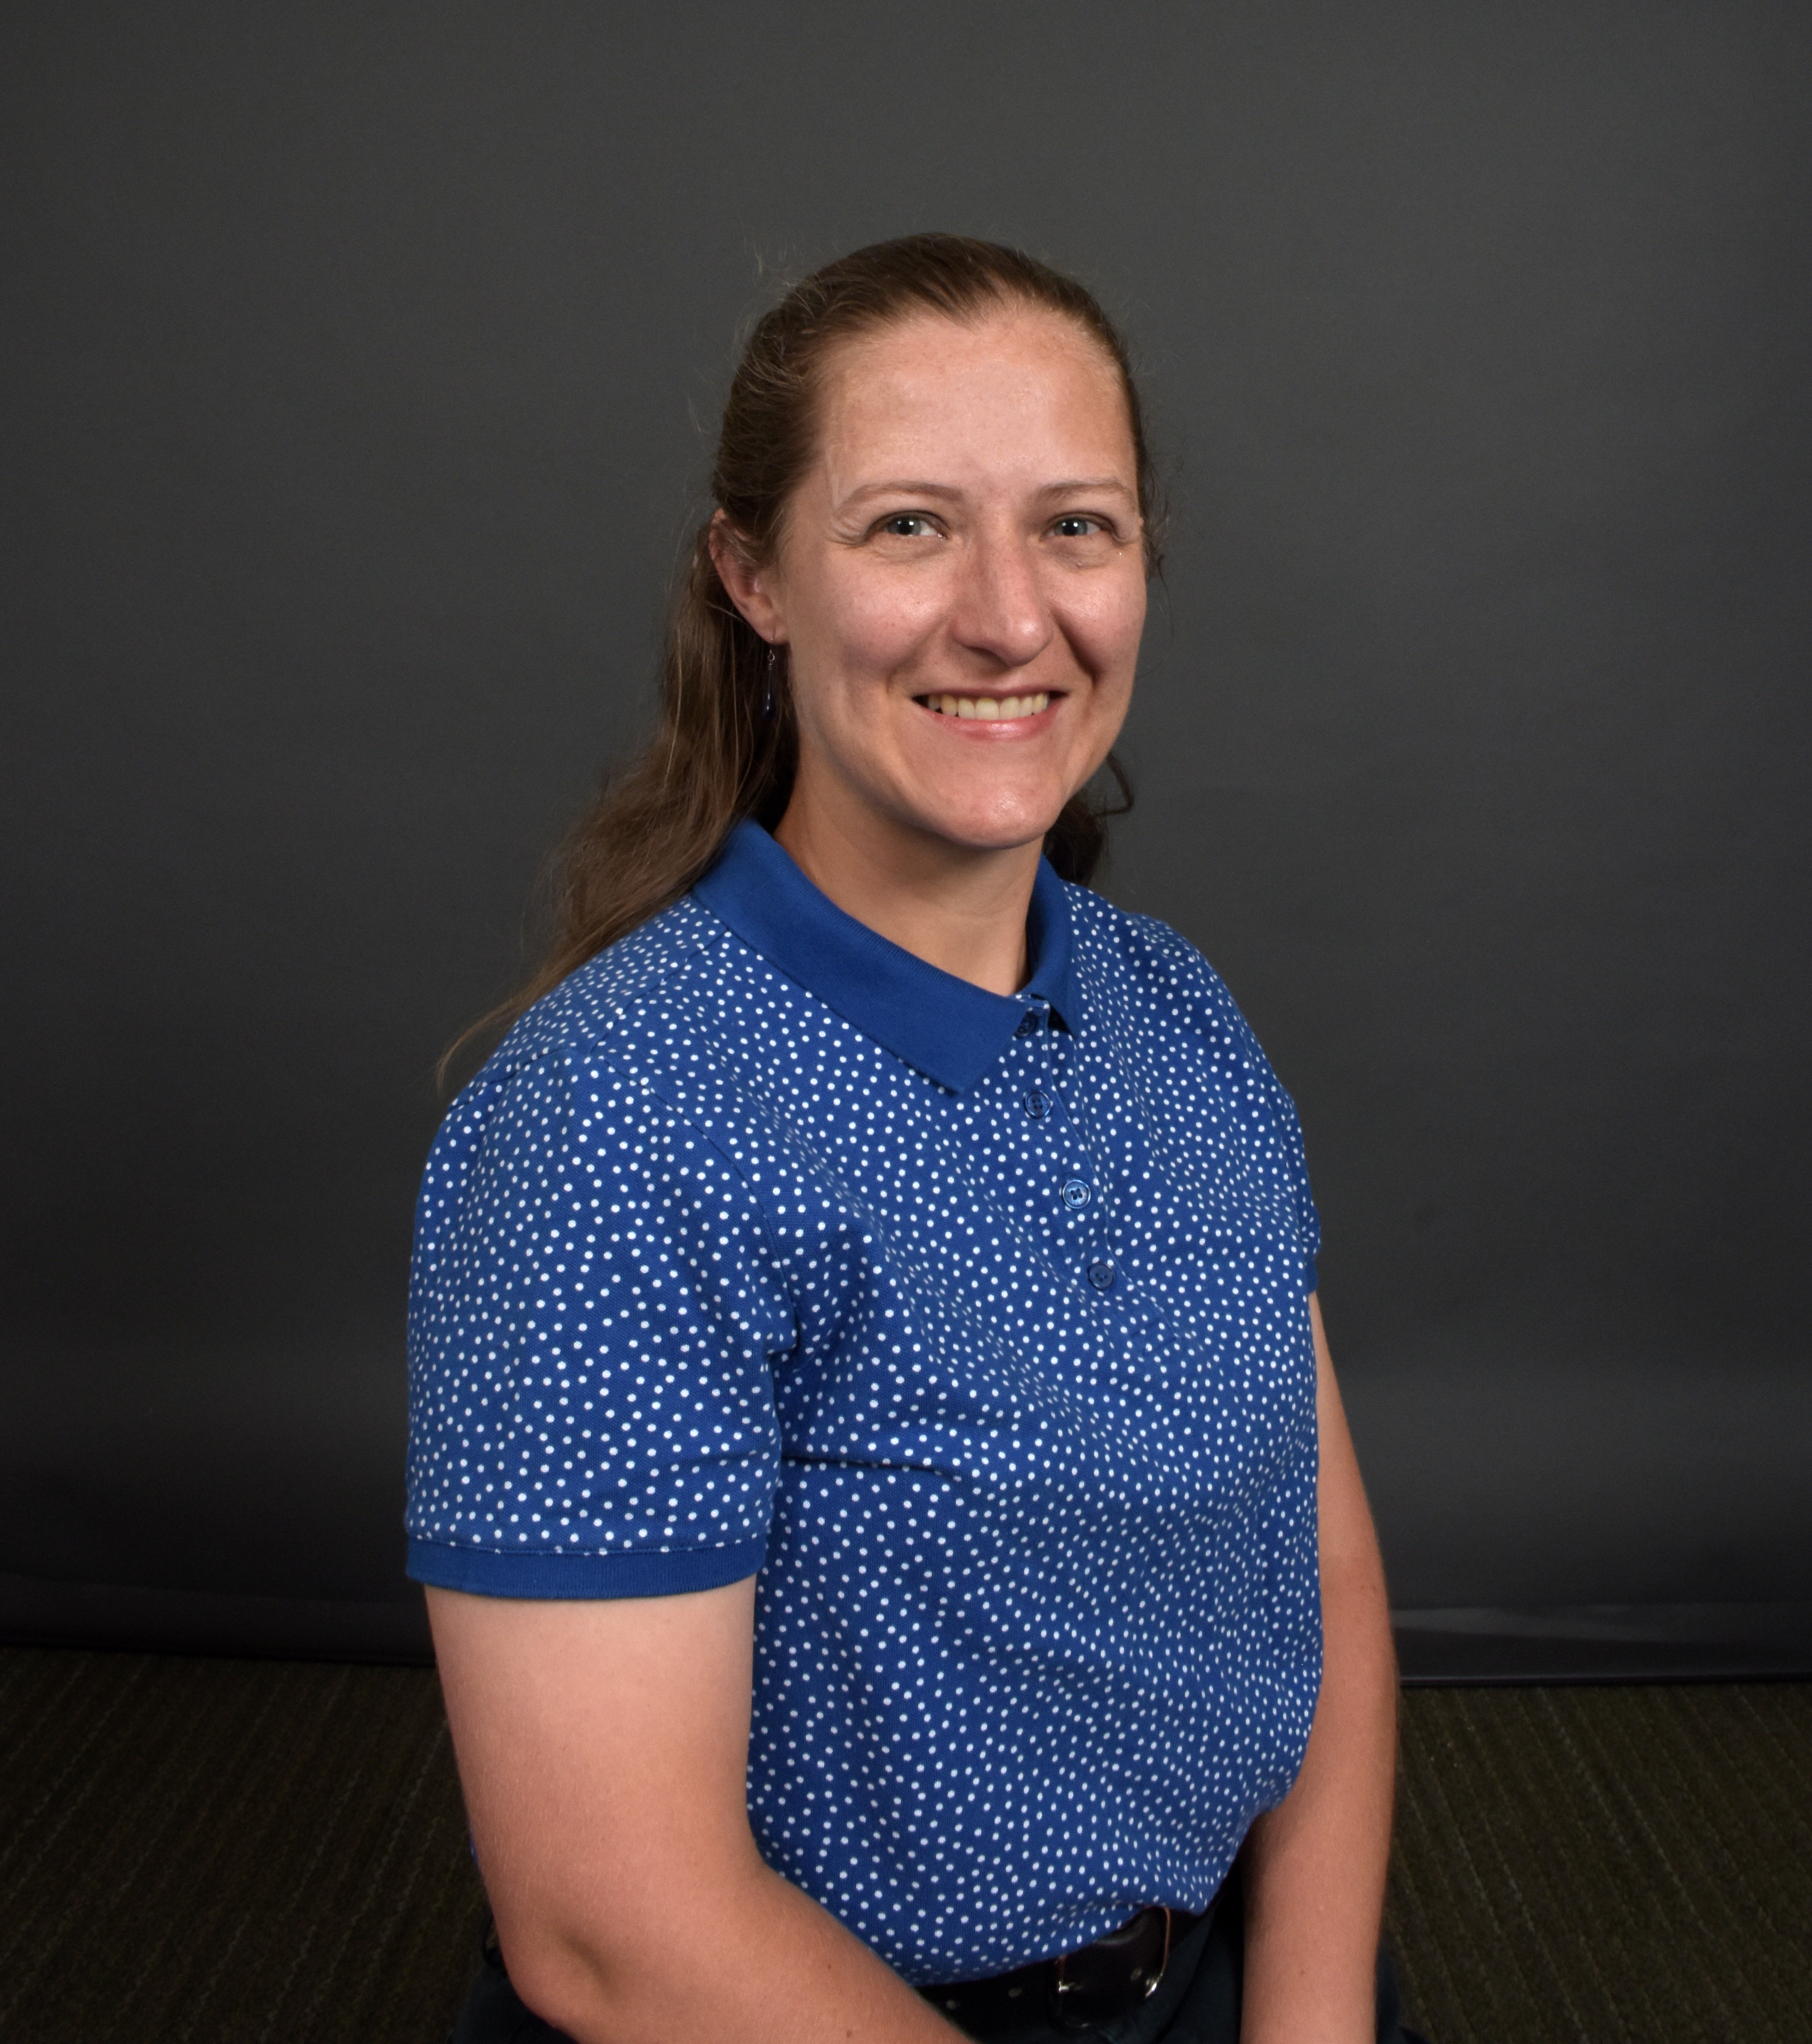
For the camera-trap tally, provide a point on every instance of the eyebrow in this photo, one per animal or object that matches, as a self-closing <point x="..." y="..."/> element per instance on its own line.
<point x="908" y="487"/>
<point x="1080" y="487"/>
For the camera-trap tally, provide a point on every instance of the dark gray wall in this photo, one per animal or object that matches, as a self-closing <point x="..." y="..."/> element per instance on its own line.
<point x="357" y="360"/>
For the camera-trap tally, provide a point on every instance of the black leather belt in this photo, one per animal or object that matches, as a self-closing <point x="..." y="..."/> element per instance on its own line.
<point x="1077" y="1989"/>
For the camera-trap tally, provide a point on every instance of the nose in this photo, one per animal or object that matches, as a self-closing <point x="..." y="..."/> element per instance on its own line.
<point x="1000" y="609"/>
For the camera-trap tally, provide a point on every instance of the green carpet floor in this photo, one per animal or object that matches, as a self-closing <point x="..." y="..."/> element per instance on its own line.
<point x="236" y="1851"/>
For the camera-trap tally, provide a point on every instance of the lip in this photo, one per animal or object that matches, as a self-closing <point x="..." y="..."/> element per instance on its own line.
<point x="993" y="731"/>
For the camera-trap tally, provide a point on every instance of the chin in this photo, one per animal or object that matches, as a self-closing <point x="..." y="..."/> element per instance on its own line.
<point x="990" y="827"/>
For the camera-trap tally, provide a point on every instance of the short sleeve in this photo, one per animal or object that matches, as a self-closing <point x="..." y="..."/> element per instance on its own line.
<point x="1288" y="1131"/>
<point x="593" y="1315"/>
<point x="1308" y="1219"/>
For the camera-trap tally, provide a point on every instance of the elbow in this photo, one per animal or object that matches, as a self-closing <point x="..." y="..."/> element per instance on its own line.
<point x="1353" y="1589"/>
<point x="590" y="1994"/>
<point x="1357" y="1642"/>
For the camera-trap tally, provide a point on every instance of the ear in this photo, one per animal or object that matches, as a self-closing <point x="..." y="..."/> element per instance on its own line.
<point x="748" y="587"/>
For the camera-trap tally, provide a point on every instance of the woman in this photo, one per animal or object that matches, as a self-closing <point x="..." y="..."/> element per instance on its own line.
<point x="891" y="1534"/>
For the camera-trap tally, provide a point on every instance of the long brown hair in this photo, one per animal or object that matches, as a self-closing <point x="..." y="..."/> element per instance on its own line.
<point x="725" y="743"/>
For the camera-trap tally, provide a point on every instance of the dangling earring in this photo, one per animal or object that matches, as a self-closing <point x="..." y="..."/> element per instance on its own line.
<point x="767" y="686"/>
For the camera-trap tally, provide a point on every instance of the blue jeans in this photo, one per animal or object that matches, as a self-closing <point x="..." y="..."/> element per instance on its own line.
<point x="1197" y="2001"/>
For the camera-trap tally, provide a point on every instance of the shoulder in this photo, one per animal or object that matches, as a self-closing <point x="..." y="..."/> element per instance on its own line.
<point x="657" y="973"/>
<point x="1136" y="968"/>
<point x="597" y="1042"/>
<point x="1163" y="1010"/>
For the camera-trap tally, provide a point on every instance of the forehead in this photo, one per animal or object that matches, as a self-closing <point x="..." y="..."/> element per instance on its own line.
<point x="1023" y="385"/>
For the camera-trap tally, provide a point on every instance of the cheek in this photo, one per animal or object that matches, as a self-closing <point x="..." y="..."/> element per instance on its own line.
<point x="866" y="626"/>
<point x="1106" y="626"/>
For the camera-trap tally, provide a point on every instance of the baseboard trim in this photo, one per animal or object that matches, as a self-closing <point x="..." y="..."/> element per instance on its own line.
<point x="1605" y="1643"/>
<point x="1452" y="1645"/>
<point x="35" y="1611"/>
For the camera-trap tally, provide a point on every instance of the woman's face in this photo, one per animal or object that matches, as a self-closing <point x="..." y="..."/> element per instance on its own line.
<point x="960" y="582"/>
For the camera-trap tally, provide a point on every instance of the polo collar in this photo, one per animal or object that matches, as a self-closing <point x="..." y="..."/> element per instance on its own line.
<point x="942" y="1026"/>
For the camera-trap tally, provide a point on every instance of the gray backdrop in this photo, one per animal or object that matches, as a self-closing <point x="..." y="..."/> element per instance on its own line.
<point x="361" y="363"/>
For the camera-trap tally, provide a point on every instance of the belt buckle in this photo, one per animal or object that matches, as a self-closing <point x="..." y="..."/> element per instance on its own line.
<point x="1077" y="2004"/>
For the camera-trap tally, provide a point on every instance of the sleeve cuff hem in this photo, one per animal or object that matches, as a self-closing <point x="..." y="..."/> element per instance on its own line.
<point x="485" y="1572"/>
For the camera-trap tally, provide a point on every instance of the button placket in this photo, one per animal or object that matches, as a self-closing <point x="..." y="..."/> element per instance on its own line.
<point x="1037" y="1095"/>
<point x="1040" y="1100"/>
<point x="1082" y="1194"/>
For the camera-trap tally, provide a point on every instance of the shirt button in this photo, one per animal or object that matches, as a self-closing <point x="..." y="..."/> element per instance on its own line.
<point x="1101" y="1277"/>
<point x="1038" y="1104"/>
<point x="1028" y="1024"/>
<point x="1074" y="1194"/>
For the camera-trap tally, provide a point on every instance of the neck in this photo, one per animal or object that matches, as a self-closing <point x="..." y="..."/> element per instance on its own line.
<point x="960" y="909"/>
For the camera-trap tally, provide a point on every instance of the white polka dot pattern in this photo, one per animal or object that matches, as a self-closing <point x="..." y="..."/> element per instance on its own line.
<point x="1011" y="1386"/>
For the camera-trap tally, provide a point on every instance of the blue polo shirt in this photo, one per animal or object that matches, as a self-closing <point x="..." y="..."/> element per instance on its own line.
<point x="977" y="1326"/>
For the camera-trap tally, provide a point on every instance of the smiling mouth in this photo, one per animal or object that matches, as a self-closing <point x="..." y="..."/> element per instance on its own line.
<point x="988" y="709"/>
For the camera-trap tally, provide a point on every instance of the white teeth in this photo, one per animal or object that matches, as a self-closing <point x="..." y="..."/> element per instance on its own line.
<point x="990" y="709"/>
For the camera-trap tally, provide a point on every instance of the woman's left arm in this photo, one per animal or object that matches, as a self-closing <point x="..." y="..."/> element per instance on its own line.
<point x="1313" y="1867"/>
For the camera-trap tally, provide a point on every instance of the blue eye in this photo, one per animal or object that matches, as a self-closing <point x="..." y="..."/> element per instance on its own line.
<point x="1076" y="527"/>
<point x="907" y="525"/>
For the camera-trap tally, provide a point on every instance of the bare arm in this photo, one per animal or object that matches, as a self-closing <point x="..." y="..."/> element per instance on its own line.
<point x="602" y="1747"/>
<point x="1314" y="1866"/>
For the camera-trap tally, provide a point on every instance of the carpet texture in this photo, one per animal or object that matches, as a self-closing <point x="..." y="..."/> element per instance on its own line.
<point x="229" y="1852"/>
<point x="236" y="1851"/>
<point x="1628" y="1866"/>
